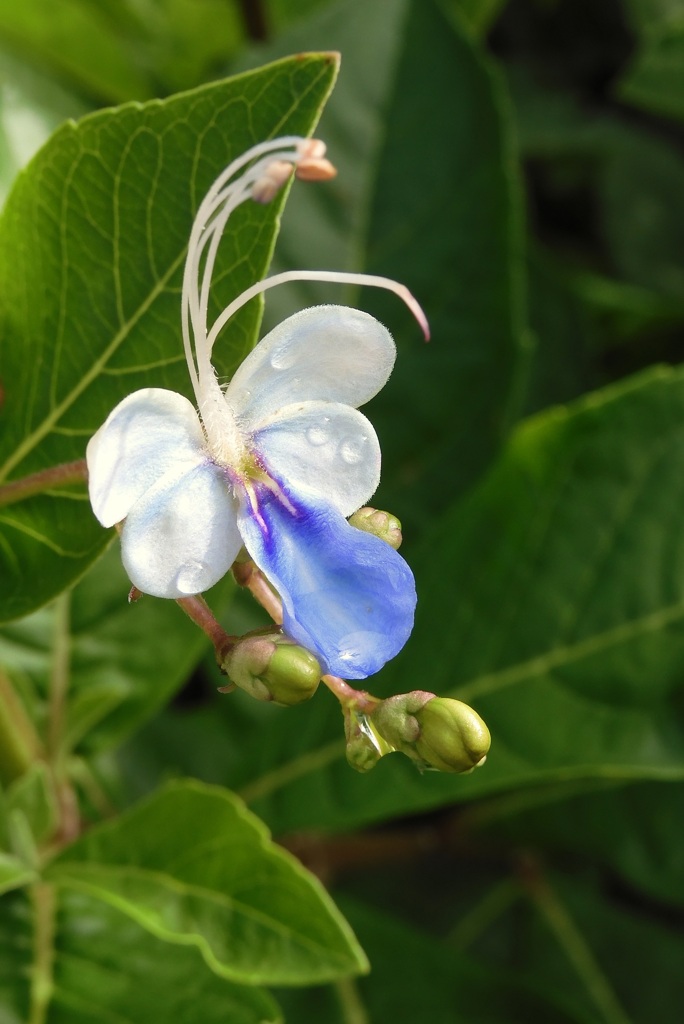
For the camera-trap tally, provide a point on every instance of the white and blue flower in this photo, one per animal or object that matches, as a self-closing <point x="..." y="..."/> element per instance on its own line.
<point x="274" y="462"/>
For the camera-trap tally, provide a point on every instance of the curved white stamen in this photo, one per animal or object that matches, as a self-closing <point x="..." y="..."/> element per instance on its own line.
<point x="337" y="277"/>
<point x="222" y="198"/>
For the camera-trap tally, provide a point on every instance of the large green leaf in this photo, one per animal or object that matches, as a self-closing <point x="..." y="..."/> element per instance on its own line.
<point x="589" y="945"/>
<point x="633" y="830"/>
<point x="428" y="194"/>
<point x="120" y="50"/>
<point x="553" y="600"/>
<point x="655" y="79"/>
<point x="15" y="959"/>
<point x="194" y="867"/>
<point x="123" y="661"/>
<point x="99" y="966"/>
<point x="457" y="245"/>
<point x="14" y="873"/>
<point x="646" y="15"/>
<point x="32" y="105"/>
<point x="642" y="211"/>
<point x="416" y="978"/>
<point x="92" y="243"/>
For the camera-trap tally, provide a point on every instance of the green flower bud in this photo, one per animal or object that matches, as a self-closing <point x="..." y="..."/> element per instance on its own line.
<point x="271" y="668"/>
<point x="453" y="737"/>
<point x="395" y="718"/>
<point x="381" y="524"/>
<point x="365" y="746"/>
<point x="435" y="732"/>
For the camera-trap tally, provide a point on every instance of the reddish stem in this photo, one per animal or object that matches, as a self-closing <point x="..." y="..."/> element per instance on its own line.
<point x="43" y="480"/>
<point x="200" y="613"/>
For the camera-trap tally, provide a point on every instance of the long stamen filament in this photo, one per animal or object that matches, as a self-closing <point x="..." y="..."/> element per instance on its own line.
<point x="222" y="199"/>
<point x="337" y="277"/>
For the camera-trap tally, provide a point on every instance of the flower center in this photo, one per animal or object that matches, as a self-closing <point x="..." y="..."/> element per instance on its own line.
<point x="225" y="440"/>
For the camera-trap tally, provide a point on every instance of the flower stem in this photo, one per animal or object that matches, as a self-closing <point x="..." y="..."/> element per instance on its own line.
<point x="42" y="982"/>
<point x="59" y="678"/>
<point x="69" y="812"/>
<point x="483" y="915"/>
<point x="19" y="743"/>
<point x="248" y="575"/>
<point x="573" y="944"/>
<point x="351" y="1004"/>
<point x="348" y="696"/>
<point x="200" y="613"/>
<point x="43" y="480"/>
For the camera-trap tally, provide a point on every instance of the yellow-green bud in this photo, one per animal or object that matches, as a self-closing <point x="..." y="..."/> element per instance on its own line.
<point x="435" y="732"/>
<point x="381" y="524"/>
<point x="453" y="737"/>
<point x="272" y="668"/>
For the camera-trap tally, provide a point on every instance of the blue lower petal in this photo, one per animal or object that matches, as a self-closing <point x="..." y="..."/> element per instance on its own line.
<point x="347" y="596"/>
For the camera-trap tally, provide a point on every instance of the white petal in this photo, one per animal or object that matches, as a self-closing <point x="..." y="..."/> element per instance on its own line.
<point x="325" y="448"/>
<point x="148" y="433"/>
<point x="331" y="353"/>
<point x="181" y="537"/>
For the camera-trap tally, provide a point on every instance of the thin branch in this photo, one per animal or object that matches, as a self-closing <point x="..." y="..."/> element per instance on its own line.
<point x="348" y="697"/>
<point x="485" y="913"/>
<point x="60" y="671"/>
<point x="19" y="742"/>
<point x="44" y="480"/>
<point x="254" y="19"/>
<point x="42" y="981"/>
<point x="573" y="944"/>
<point x="351" y="1004"/>
<point x="249" y="576"/>
<point x="59" y="678"/>
<point x="201" y="614"/>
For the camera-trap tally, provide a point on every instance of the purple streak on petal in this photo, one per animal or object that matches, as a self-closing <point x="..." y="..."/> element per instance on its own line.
<point x="347" y="596"/>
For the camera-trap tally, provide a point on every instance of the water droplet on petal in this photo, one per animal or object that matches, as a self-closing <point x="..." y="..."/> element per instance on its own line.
<point x="283" y="358"/>
<point x="191" y="577"/>
<point x="352" y="449"/>
<point x="316" y="436"/>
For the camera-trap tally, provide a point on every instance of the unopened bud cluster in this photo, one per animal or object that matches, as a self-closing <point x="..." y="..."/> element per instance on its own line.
<point x="437" y="733"/>
<point x="270" y="667"/>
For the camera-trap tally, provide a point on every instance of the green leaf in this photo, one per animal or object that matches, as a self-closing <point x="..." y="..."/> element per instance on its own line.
<point x="561" y="368"/>
<point x="14" y="873"/>
<point x="646" y="15"/>
<point x="32" y="105"/>
<point x="642" y="211"/>
<point x="80" y="40"/>
<point x="655" y="79"/>
<point x="15" y="959"/>
<point x="33" y="796"/>
<point x="552" y="599"/>
<point x="445" y="219"/>
<point x="588" y="944"/>
<point x="417" y="978"/>
<point x="633" y="830"/>
<point x="192" y="866"/>
<point x="567" y="632"/>
<point x="92" y="244"/>
<point x="117" y="50"/>
<point x="124" y="661"/>
<point x="427" y="165"/>
<point x="477" y="15"/>
<point x="102" y="967"/>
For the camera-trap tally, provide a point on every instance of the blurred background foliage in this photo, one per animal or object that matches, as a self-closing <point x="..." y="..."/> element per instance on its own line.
<point x="520" y="166"/>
